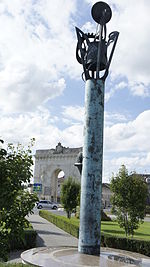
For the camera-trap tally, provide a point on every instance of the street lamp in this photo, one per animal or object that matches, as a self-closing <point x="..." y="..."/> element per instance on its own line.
<point x="91" y="52"/>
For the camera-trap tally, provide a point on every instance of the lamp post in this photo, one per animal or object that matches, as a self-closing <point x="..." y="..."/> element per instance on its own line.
<point x="91" y="52"/>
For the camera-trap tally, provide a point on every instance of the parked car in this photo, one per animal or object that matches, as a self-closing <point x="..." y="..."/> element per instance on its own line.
<point x="47" y="204"/>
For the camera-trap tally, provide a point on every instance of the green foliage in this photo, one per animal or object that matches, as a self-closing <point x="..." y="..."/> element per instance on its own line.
<point x="14" y="218"/>
<point x="29" y="240"/>
<point x="15" y="203"/>
<point x="70" y="195"/>
<point x="134" y="245"/>
<point x="129" y="199"/>
<point x="70" y="226"/>
<point x="15" y="169"/>
<point x="113" y="228"/>
<point x="107" y="240"/>
<point x="3" y="241"/>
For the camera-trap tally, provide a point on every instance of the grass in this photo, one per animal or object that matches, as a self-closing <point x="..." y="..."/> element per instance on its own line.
<point x="143" y="232"/>
<point x="75" y="221"/>
<point x="112" y="228"/>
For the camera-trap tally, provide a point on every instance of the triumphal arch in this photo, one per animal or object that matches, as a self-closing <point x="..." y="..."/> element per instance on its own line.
<point x="48" y="164"/>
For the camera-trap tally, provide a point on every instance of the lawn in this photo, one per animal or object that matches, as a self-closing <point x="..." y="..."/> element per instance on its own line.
<point x="143" y="232"/>
<point x="112" y="228"/>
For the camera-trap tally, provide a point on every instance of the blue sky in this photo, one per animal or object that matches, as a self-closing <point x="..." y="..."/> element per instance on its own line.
<point x="41" y="89"/>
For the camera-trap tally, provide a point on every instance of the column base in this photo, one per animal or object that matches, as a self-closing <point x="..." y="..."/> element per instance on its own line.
<point x="90" y="250"/>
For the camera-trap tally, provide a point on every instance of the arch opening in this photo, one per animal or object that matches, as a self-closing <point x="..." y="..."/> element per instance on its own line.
<point x="57" y="180"/>
<point x="60" y="180"/>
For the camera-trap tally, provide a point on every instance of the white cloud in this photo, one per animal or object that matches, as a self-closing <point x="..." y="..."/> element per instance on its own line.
<point x="73" y="135"/>
<point x="130" y="136"/>
<point x="73" y="113"/>
<point x="36" y="48"/>
<point x="42" y="126"/>
<point x="131" y="57"/>
<point x="137" y="163"/>
<point x="121" y="133"/>
<point x="88" y="27"/>
<point x="139" y="89"/>
<point x="22" y="127"/>
<point x="125" y="143"/>
<point x="117" y="87"/>
<point x="111" y="118"/>
<point x="26" y="87"/>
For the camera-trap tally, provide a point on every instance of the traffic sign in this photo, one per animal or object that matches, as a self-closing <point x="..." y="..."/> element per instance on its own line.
<point x="37" y="187"/>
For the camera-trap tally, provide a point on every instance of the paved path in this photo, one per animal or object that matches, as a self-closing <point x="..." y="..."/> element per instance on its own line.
<point x="48" y="235"/>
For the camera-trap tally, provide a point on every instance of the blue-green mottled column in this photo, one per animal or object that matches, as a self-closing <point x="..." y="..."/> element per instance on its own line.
<point x="91" y="183"/>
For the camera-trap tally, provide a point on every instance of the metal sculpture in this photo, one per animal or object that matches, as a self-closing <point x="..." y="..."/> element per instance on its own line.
<point x="92" y="48"/>
<point x="92" y="53"/>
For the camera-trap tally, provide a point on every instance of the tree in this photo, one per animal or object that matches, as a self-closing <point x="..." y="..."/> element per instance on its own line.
<point x="70" y="195"/>
<point x="15" y="203"/>
<point x="129" y="199"/>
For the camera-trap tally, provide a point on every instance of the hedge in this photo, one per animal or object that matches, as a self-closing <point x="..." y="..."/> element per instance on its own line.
<point x="69" y="226"/>
<point x="28" y="242"/>
<point x="64" y="223"/>
<point x="134" y="245"/>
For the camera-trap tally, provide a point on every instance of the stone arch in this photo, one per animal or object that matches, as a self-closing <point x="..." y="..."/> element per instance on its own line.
<point x="48" y="163"/>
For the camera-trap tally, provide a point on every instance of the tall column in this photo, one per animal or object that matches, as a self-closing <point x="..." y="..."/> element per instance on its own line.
<point x="91" y="182"/>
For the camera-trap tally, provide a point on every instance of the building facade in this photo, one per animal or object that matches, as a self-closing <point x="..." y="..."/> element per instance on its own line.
<point x="106" y="195"/>
<point x="48" y="164"/>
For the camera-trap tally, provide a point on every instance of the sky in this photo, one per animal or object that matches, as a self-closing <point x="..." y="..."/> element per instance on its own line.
<point x="41" y="89"/>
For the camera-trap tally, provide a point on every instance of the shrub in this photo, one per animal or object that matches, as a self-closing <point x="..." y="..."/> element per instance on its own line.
<point x="15" y="203"/>
<point x="3" y="245"/>
<point x="134" y="245"/>
<point x="129" y="199"/>
<point x="29" y="240"/>
<point x="68" y="225"/>
<point x="6" y="244"/>
<point x="70" y="195"/>
<point x="104" y="216"/>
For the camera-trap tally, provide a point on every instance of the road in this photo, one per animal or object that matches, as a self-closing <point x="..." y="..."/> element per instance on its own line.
<point x="63" y="213"/>
<point x="57" y="212"/>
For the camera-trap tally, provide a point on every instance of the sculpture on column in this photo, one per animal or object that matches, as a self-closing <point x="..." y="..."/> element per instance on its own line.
<point x="91" y="49"/>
